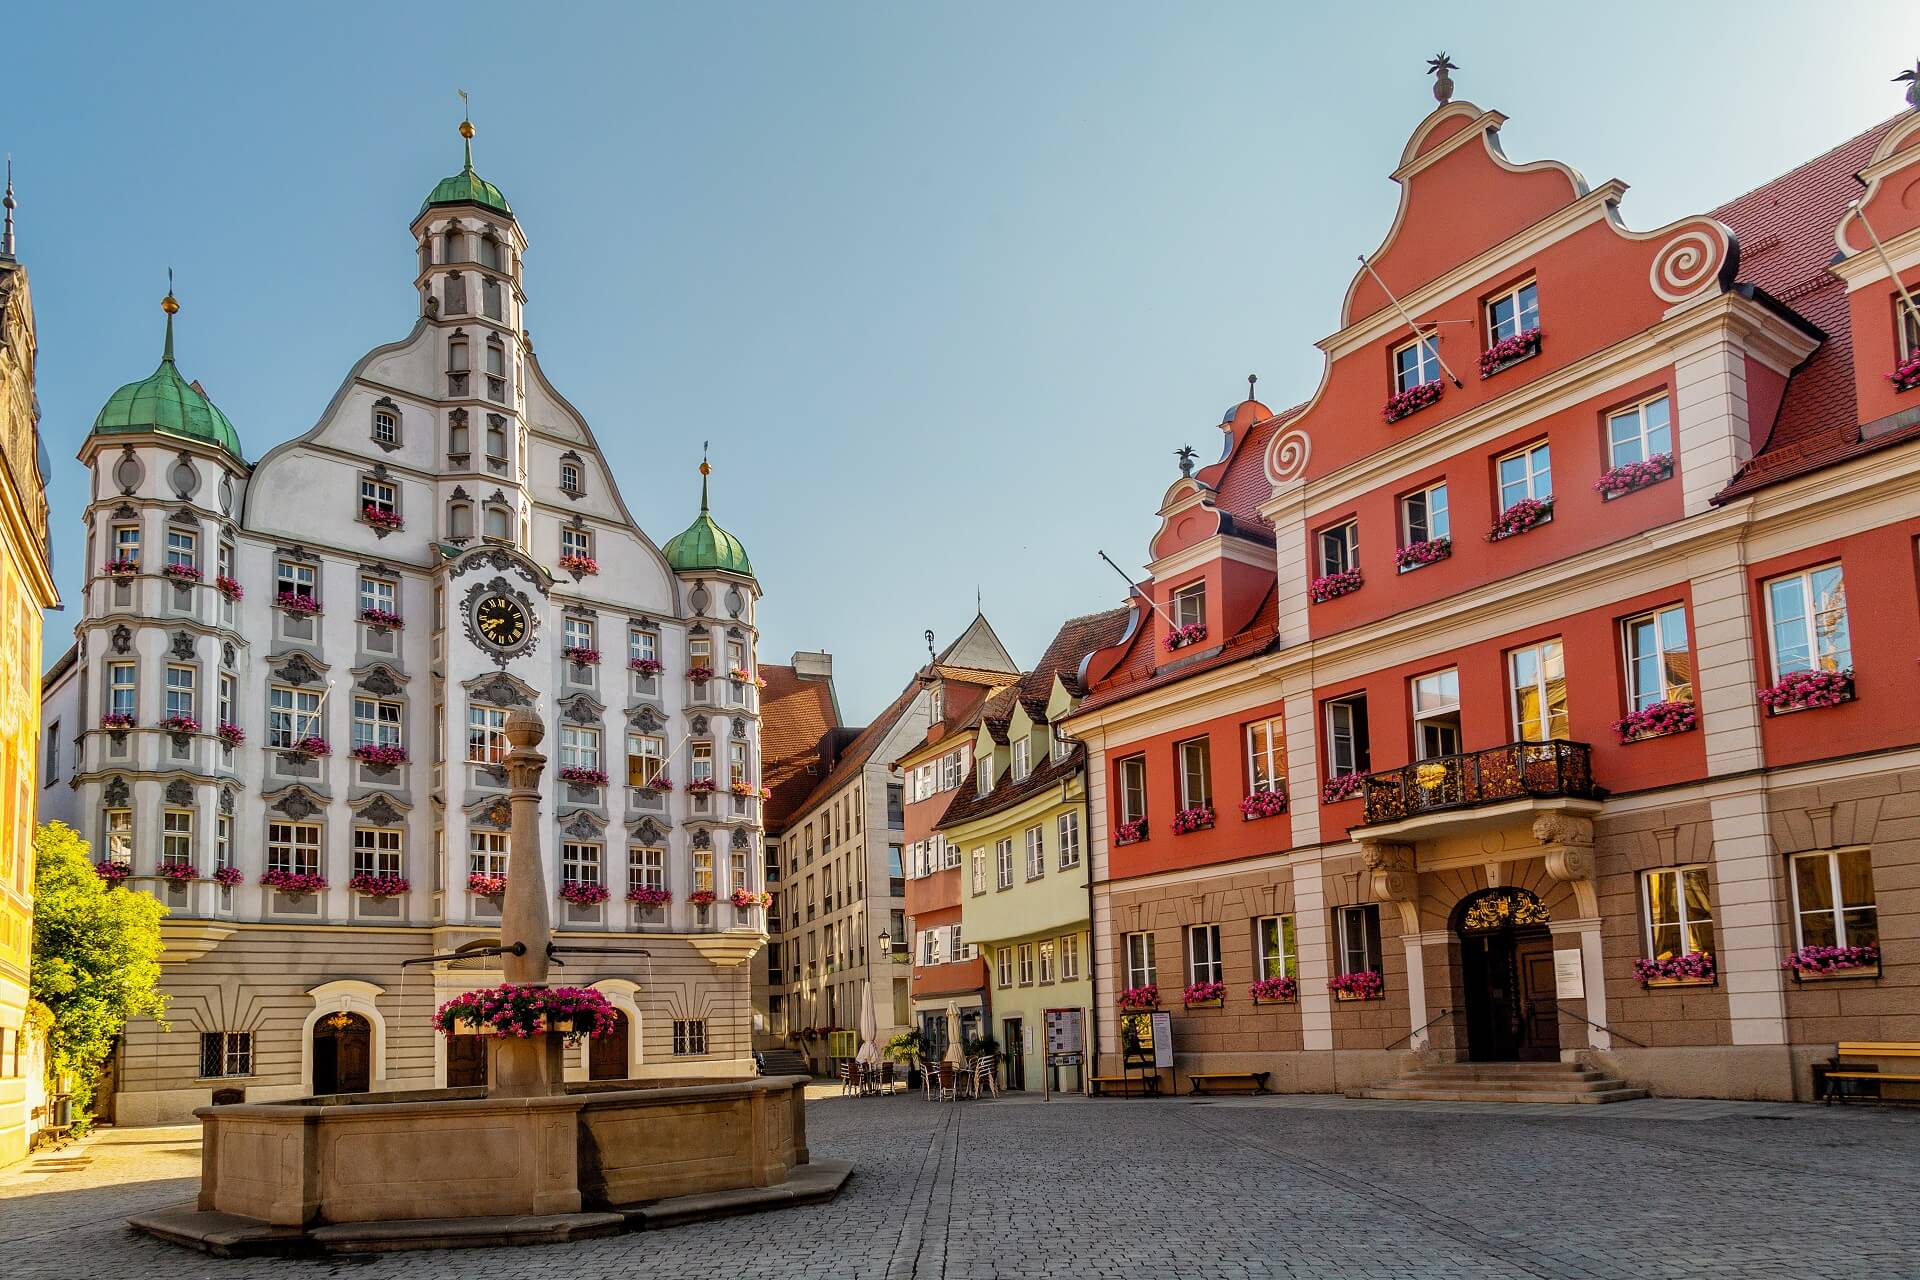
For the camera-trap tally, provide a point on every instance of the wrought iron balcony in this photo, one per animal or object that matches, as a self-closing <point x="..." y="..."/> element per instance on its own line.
<point x="1516" y="771"/>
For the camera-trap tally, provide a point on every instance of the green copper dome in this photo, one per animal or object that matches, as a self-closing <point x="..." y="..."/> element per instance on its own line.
<point x="466" y="186"/>
<point x="167" y="403"/>
<point x="705" y="546"/>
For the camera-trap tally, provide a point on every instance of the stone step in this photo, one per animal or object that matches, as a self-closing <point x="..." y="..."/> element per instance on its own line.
<point x="1442" y="1075"/>
<point x="1396" y="1093"/>
<point x="1506" y="1086"/>
<point x="784" y="1062"/>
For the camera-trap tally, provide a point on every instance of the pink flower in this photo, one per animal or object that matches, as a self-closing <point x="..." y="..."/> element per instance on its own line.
<point x="1330" y="586"/>
<point x="581" y="776"/>
<point x="311" y="745"/>
<point x="1197" y="818"/>
<point x="1520" y="517"/>
<point x="1656" y="721"/>
<point x="1802" y="690"/>
<point x="1144" y="997"/>
<point x="230" y="734"/>
<point x="581" y="654"/>
<point x="378" y="886"/>
<point x="122" y="567"/>
<point x="1274" y="989"/>
<point x="380" y="617"/>
<point x="229" y="587"/>
<point x="1413" y="398"/>
<point x="1130" y="832"/>
<point x="370" y="753"/>
<point x="383" y="520"/>
<point x="1693" y="965"/>
<point x="486" y="884"/>
<point x="1629" y="476"/>
<point x="294" y="602"/>
<point x="580" y="566"/>
<point x="582" y="894"/>
<point x="182" y="572"/>
<point x="179" y="872"/>
<point x="1416" y="554"/>
<point x="180" y="724"/>
<point x="746" y="899"/>
<point x="293" y="882"/>
<point x="645" y="666"/>
<point x="1368" y="984"/>
<point x="1344" y="786"/>
<point x="1507" y="351"/>
<point x="702" y="787"/>
<point x="647" y="896"/>
<point x="1832" y="959"/>
<point x="1906" y="374"/>
<point x="1179" y="637"/>
<point x="227" y="876"/>
<point x="116" y="721"/>
<point x="1201" y="992"/>
<point x="112" y="872"/>
<point x="701" y="897"/>
<point x="699" y="675"/>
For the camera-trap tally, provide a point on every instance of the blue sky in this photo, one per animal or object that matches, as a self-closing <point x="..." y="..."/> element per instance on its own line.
<point x="945" y="285"/>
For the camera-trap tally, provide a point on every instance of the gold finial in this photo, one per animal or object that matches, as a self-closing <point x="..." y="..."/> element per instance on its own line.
<point x="466" y="125"/>
<point x="705" y="470"/>
<point x="466" y="129"/>
<point x="170" y="304"/>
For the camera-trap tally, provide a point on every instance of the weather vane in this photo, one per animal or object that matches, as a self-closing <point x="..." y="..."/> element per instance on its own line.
<point x="1442" y="83"/>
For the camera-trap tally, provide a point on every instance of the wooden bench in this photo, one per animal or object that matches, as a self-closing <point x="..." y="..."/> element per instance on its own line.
<point x="1844" y="1079"/>
<point x="1207" y="1082"/>
<point x="1126" y="1086"/>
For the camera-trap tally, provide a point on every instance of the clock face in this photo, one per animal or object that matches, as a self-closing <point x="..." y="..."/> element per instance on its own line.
<point x="500" y="621"/>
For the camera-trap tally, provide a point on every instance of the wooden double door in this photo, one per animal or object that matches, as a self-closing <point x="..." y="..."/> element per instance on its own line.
<point x="342" y="1054"/>
<point x="1512" y="1014"/>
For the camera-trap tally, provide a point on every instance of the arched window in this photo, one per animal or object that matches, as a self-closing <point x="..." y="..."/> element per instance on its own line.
<point x="490" y="299"/>
<point x="457" y="367"/>
<point x="489" y="252"/>
<point x="570" y="477"/>
<point x="496" y="369"/>
<point x="457" y="435"/>
<point x="496" y="437"/>
<point x="499" y="523"/>
<point x="459" y="521"/>
<point x="450" y="245"/>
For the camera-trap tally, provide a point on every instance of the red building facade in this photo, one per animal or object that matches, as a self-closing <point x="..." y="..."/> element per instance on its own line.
<point x="1542" y="687"/>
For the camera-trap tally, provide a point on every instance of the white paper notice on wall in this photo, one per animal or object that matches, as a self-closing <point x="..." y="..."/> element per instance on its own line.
<point x="1569" y="979"/>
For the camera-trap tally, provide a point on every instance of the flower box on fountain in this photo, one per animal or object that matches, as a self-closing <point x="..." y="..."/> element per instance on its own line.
<point x="524" y="1011"/>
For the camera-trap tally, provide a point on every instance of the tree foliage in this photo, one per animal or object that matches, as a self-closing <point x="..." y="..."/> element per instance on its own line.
<point x="96" y="957"/>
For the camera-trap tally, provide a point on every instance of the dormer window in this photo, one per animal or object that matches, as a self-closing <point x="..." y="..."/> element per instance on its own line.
<point x="983" y="775"/>
<point x="936" y="703"/>
<point x="1022" y="759"/>
<point x="1909" y="325"/>
<point x="386" y="426"/>
<point x="570" y="477"/>
<point x="1415" y="364"/>
<point x="1190" y="605"/>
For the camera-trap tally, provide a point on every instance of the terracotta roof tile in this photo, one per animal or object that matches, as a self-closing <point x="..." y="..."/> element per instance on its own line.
<point x="858" y="751"/>
<point x="1076" y="638"/>
<point x="795" y="714"/>
<point x="969" y="804"/>
<point x="1139" y="673"/>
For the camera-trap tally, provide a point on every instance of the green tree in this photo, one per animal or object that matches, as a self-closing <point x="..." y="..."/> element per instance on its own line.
<point x="96" y="957"/>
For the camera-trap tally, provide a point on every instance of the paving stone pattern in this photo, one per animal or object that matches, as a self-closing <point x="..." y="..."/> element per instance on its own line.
<point x="1222" y="1190"/>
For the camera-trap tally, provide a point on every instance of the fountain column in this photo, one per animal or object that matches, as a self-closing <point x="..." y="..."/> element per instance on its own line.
<point x="530" y="1068"/>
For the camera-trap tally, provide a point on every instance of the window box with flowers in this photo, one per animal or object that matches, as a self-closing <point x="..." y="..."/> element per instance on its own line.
<point x="646" y="666"/>
<point x="230" y="734"/>
<point x="308" y="748"/>
<point x="1263" y="804"/>
<point x="1814" y="964"/>
<point x="380" y="756"/>
<point x="1694" y="969"/>
<point x="741" y="676"/>
<point x="582" y="894"/>
<point x="1906" y="374"/>
<point x="112" y="872"/>
<point x="1331" y="586"/>
<point x="1509" y="351"/>
<point x="702" y="787"/>
<point x="522" y="1012"/>
<point x="1204" y="995"/>
<point x="1412" y="400"/>
<point x="581" y="656"/>
<point x="580" y="776"/>
<point x="1274" y="991"/>
<point x="180" y="726"/>
<point x="660" y="782"/>
<point x="699" y="675"/>
<point x="648" y="896"/>
<point x="1520" y="517"/>
<point x="1418" y="555"/>
<point x="125" y="567"/>
<point x="227" y="877"/>
<point x="748" y="791"/>
<point x="1656" y="721"/>
<point x="1368" y="984"/>
<point x="386" y="619"/>
<point x="1197" y="818"/>
<point x="1140" y="999"/>
<point x="293" y="883"/>
<point x="229" y="587"/>
<point x="1179" y="637"/>
<point x="1619" y="481"/>
<point x="117" y="721"/>
<point x="179" y="872"/>
<point x="1806" y="690"/>
<point x="580" y="566"/>
<point x="382" y="520"/>
<point x="184" y="574"/>
<point x="486" y="884"/>
<point x="1130" y="832"/>
<point x="296" y="603"/>
<point x="701" y="897"/>
<point x="747" y="899"/>
<point x="367" y="884"/>
<point x="1344" y="786"/>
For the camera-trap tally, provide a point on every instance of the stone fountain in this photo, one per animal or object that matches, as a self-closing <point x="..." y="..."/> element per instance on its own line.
<point x="533" y="1160"/>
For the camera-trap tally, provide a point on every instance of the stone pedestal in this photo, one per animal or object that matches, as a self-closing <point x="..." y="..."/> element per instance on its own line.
<point x="530" y="1068"/>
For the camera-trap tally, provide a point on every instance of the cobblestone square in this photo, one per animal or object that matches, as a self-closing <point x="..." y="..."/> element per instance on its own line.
<point x="1292" y="1186"/>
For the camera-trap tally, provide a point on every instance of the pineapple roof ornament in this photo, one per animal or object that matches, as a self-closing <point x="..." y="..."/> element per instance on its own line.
<point x="1912" y="80"/>
<point x="1442" y="83"/>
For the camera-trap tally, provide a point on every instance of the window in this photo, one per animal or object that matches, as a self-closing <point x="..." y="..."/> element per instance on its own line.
<point x="646" y="868"/>
<point x="983" y="775"/>
<point x="642" y="646"/>
<point x="121" y="688"/>
<point x="1436" y="715"/>
<point x="1022" y="759"/>
<point x="376" y="851"/>
<point x="487" y="853"/>
<point x="936" y="704"/>
<point x="292" y="714"/>
<point x="689" y="1037"/>
<point x="496" y="370"/>
<point x="979" y="871"/>
<point x="1539" y="677"/>
<point x="579" y="862"/>
<point x="376" y="722"/>
<point x="1416" y="363"/>
<point x="1659" y="669"/>
<point x="1909" y="329"/>
<point x="570" y="477"/>
<point x="930" y="943"/>
<point x="1141" y="970"/>
<point x="1274" y="948"/>
<point x="1807" y="617"/>
<point x="176" y="838"/>
<point x="1679" y="914"/>
<point x="293" y="578"/>
<point x="1190" y="605"/>
<point x="1070" y="958"/>
<point x="700" y="762"/>
<point x="294" y="846"/>
<point x="126" y="542"/>
<point x="1203" y="953"/>
<point x="1358" y="930"/>
<point x="223" y="843"/>
<point x="1043" y="952"/>
<point x="1067" y="836"/>
<point x="1638" y="433"/>
<point x="1004" y="963"/>
<point x="579" y="747"/>
<point x="183" y="548"/>
<point x="498" y="522"/>
<point x="496" y="438"/>
<point x="1513" y="313"/>
<point x="1525" y="473"/>
<point x="229" y="700"/>
<point x="119" y="836"/>
<point x="1347" y="747"/>
<point x="180" y="680"/>
<point x="1036" y="853"/>
<point x="486" y="734"/>
<point x="953" y="767"/>
<point x="51" y="767"/>
<point x="379" y="593"/>
<point x="1266" y="759"/>
<point x="1340" y="548"/>
<point x="225" y="559"/>
<point x="379" y="495"/>
<point x="703" y="870"/>
<point x="490" y="300"/>
<point x="1196" y="773"/>
<point x="736" y="763"/>
<point x="576" y="542"/>
<point x="1423" y="515"/>
<point x="386" y="426"/>
<point x="1133" y="788"/>
<point x="225" y="1054"/>
<point x="1833" y="899"/>
<point x="1003" y="863"/>
<point x="1025" y="951"/>
<point x="576" y="633"/>
<point x="460" y="521"/>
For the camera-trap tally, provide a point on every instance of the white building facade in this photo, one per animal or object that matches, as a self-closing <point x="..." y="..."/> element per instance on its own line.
<point x="286" y="711"/>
